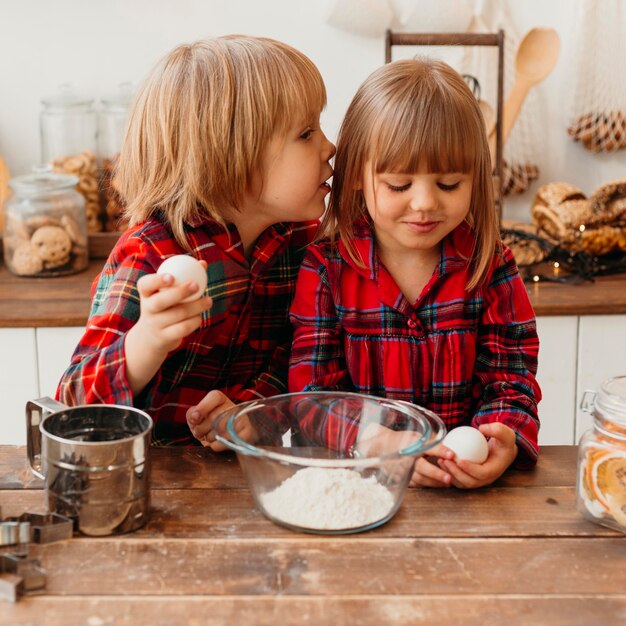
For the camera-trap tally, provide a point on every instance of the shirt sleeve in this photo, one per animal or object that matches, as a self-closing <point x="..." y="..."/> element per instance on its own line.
<point x="97" y="371"/>
<point x="505" y="386"/>
<point x="317" y="360"/>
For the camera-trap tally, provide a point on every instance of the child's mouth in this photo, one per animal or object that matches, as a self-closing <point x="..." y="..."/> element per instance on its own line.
<point x="421" y="227"/>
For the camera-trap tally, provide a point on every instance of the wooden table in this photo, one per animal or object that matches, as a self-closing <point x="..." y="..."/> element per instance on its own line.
<point x="517" y="552"/>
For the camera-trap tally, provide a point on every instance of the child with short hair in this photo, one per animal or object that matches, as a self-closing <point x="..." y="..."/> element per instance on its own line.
<point x="223" y="159"/>
<point x="413" y="296"/>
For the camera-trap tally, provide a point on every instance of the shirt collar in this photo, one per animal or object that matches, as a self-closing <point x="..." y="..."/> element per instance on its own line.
<point x="226" y="237"/>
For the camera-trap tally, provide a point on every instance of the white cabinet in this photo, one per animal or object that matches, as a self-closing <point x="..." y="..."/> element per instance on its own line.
<point x="601" y="355"/>
<point x="54" y="349"/>
<point x="31" y="363"/>
<point x="18" y="381"/>
<point x="556" y="375"/>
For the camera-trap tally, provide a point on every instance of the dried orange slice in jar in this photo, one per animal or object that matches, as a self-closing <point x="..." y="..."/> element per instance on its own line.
<point x="608" y="481"/>
<point x="588" y="491"/>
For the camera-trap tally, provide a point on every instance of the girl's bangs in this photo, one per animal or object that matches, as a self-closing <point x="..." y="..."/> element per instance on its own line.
<point x="438" y="138"/>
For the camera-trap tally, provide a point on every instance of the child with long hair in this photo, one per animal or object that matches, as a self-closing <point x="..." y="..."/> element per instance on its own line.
<point x="224" y="160"/>
<point x="412" y="295"/>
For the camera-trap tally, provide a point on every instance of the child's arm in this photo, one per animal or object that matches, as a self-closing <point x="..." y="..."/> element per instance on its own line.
<point x="98" y="370"/>
<point x="505" y="389"/>
<point x="163" y="323"/>
<point x="505" y="386"/>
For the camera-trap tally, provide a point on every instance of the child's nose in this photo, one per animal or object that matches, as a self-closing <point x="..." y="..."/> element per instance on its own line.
<point x="423" y="198"/>
<point x="330" y="149"/>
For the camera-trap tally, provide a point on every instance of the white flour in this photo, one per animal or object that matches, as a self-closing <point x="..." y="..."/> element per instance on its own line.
<point x="328" y="499"/>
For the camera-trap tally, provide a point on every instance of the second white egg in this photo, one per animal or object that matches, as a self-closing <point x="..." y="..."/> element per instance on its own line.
<point x="468" y="443"/>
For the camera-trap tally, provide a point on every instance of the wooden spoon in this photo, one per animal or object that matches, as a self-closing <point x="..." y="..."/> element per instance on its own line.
<point x="536" y="57"/>
<point x="489" y="115"/>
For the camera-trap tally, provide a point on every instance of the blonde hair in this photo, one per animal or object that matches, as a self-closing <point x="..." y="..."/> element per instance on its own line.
<point x="408" y="112"/>
<point x="201" y="122"/>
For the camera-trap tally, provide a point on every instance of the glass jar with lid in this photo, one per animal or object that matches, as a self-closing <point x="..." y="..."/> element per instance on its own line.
<point x="45" y="232"/>
<point x="114" y="115"/>
<point x="69" y="130"/>
<point x="601" y="482"/>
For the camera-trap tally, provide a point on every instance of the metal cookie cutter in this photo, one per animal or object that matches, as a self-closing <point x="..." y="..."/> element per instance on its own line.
<point x="48" y="527"/>
<point x="20" y="574"/>
<point x="11" y="587"/>
<point x="14" y="533"/>
<point x="28" y="569"/>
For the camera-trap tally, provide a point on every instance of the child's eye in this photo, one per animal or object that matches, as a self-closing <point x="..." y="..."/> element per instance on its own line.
<point x="398" y="188"/>
<point x="306" y="134"/>
<point x="445" y="187"/>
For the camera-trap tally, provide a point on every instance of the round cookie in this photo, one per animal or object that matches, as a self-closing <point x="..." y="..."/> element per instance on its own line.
<point x="53" y="245"/>
<point x="73" y="230"/>
<point x="25" y="260"/>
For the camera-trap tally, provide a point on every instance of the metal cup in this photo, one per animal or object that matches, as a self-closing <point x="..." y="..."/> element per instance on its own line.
<point x="95" y="462"/>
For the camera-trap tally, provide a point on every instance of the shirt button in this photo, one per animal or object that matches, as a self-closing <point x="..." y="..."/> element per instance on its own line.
<point x="411" y="323"/>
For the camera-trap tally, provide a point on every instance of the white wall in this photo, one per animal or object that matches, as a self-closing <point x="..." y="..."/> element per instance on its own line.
<point x="96" y="44"/>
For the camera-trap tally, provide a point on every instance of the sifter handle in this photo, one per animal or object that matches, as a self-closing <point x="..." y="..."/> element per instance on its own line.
<point x="36" y="413"/>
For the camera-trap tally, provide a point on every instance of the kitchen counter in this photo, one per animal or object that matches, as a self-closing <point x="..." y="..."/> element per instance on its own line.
<point x="64" y="301"/>
<point x="517" y="552"/>
<point x="27" y="302"/>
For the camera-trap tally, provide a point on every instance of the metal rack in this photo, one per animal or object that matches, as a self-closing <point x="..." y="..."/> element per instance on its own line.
<point x="464" y="39"/>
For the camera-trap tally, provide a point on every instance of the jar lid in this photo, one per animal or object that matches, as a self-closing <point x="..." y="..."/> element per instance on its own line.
<point x="611" y="399"/>
<point x="41" y="183"/>
<point x="66" y="98"/>
<point x="121" y="100"/>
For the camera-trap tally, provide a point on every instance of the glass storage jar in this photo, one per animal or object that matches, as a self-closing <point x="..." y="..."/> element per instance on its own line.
<point x="113" y="120"/>
<point x="601" y="483"/>
<point x="45" y="231"/>
<point x="69" y="130"/>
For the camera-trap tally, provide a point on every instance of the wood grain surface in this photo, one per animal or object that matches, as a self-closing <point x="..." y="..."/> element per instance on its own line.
<point x="517" y="552"/>
<point x="282" y="610"/>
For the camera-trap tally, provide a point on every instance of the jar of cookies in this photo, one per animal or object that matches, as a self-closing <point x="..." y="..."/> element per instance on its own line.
<point x="114" y="114"/>
<point x="45" y="231"/>
<point x="601" y="483"/>
<point x="69" y="130"/>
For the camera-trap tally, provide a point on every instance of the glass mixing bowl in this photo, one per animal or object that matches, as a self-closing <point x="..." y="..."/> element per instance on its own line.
<point x="328" y="462"/>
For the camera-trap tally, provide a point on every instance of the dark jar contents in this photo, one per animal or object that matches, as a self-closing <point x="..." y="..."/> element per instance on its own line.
<point x="45" y="231"/>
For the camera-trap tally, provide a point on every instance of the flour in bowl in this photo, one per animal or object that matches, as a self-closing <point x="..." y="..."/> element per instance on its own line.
<point x="328" y="499"/>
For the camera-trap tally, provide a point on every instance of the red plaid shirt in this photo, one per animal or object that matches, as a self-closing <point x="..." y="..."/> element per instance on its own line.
<point x="241" y="347"/>
<point x="471" y="357"/>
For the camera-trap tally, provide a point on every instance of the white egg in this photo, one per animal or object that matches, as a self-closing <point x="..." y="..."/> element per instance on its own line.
<point x="467" y="443"/>
<point x="184" y="269"/>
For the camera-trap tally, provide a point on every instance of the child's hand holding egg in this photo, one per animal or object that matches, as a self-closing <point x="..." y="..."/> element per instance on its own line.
<point x="467" y="443"/>
<point x="185" y="269"/>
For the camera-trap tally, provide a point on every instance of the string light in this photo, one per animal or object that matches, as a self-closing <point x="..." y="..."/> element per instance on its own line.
<point x="564" y="265"/>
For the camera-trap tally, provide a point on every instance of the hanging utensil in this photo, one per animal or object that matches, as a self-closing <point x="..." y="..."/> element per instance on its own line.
<point x="536" y="57"/>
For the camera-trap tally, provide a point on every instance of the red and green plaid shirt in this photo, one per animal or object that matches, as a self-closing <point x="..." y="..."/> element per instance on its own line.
<point x="471" y="357"/>
<point x="241" y="347"/>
